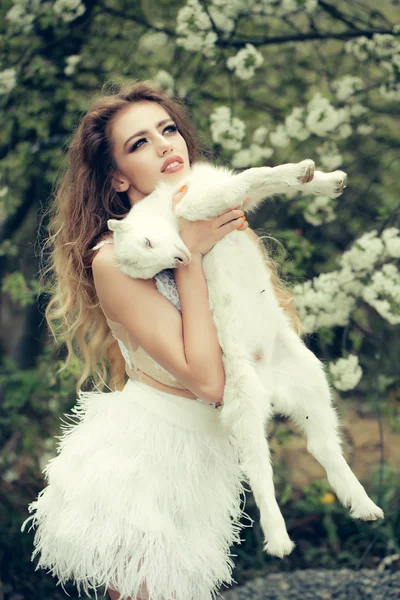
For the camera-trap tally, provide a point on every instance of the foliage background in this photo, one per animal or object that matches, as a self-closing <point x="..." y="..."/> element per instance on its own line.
<point x="54" y="57"/>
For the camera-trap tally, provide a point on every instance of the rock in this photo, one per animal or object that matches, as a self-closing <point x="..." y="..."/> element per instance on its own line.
<point x="320" y="584"/>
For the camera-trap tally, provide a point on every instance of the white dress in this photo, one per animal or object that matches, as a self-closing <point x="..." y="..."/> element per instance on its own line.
<point x="145" y="495"/>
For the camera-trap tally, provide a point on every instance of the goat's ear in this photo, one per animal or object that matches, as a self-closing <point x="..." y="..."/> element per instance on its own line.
<point x="118" y="225"/>
<point x="114" y="225"/>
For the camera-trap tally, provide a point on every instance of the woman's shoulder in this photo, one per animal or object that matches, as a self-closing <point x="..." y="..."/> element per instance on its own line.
<point x="106" y="239"/>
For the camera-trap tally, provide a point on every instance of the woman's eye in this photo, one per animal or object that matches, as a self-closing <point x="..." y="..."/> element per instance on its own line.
<point x="147" y="242"/>
<point x="172" y="127"/>
<point x="138" y="143"/>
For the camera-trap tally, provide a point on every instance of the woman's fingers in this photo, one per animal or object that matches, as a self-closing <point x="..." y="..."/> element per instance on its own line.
<point x="178" y="196"/>
<point x="239" y="223"/>
<point x="233" y="213"/>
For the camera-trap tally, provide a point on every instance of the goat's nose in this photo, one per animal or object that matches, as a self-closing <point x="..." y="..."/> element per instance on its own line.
<point x="183" y="258"/>
<point x="181" y="261"/>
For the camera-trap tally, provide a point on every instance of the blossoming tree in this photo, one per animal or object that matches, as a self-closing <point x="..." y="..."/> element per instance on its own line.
<point x="267" y="81"/>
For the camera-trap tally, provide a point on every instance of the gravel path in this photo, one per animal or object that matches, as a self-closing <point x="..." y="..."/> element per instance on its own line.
<point x="320" y="584"/>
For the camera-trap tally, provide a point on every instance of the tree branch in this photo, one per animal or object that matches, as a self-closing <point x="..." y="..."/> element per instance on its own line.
<point x="335" y="13"/>
<point x="137" y="19"/>
<point x="241" y="43"/>
<point x="305" y="37"/>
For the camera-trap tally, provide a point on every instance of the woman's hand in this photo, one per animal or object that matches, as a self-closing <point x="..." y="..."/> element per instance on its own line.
<point x="200" y="236"/>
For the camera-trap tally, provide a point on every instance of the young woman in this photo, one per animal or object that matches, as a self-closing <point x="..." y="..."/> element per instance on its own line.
<point x="144" y="495"/>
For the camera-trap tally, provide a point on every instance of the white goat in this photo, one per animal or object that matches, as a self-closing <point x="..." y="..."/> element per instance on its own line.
<point x="289" y="379"/>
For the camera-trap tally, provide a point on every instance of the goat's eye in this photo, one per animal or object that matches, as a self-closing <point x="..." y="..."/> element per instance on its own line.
<point x="148" y="243"/>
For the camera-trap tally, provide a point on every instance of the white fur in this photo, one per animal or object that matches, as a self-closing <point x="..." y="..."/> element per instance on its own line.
<point x="289" y="379"/>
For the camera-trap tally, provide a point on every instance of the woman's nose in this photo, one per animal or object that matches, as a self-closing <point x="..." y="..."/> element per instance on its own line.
<point x="163" y="147"/>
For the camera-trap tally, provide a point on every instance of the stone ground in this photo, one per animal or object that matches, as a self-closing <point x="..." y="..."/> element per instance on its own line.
<point x="321" y="584"/>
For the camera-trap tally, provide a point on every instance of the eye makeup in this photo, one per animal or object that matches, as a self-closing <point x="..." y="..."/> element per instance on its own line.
<point x="137" y="144"/>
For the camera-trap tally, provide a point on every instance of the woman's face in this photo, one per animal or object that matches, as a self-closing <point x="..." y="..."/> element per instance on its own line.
<point x="143" y="136"/>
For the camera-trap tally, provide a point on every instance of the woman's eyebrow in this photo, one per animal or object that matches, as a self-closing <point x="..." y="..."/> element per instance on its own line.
<point x="143" y="131"/>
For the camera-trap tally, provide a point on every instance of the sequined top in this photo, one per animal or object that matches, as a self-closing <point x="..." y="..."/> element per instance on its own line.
<point x="137" y="359"/>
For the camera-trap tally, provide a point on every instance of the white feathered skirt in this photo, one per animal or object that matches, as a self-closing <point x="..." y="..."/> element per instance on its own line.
<point x="145" y="496"/>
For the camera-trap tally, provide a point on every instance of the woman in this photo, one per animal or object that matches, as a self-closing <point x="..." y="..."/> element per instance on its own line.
<point x="144" y="496"/>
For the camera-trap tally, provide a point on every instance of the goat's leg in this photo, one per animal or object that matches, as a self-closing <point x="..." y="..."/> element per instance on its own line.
<point x="257" y="184"/>
<point x="244" y="415"/>
<point x="263" y="182"/>
<point x="246" y="407"/>
<point x="303" y="394"/>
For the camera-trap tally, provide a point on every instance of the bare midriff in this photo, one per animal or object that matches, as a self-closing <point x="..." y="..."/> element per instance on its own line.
<point x="157" y="385"/>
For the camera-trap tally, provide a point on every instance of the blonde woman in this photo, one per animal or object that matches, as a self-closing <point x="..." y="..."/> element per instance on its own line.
<point x="145" y="494"/>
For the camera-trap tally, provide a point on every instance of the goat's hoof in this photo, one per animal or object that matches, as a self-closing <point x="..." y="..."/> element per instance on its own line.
<point x="329" y="184"/>
<point x="341" y="185"/>
<point x="279" y="547"/>
<point x="307" y="168"/>
<point x="366" y="511"/>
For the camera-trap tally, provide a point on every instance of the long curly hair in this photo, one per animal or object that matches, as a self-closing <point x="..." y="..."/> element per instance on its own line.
<point x="84" y="200"/>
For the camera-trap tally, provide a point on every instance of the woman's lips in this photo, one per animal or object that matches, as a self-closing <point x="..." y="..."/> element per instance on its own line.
<point x="174" y="169"/>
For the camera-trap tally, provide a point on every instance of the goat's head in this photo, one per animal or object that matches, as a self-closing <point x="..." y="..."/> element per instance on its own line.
<point x="147" y="240"/>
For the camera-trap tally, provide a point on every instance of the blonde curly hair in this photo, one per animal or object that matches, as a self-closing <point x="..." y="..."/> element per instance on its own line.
<point x="84" y="200"/>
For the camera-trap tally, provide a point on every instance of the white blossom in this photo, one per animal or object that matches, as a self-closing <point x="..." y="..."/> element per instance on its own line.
<point x="320" y="210"/>
<point x="225" y="130"/>
<point x="194" y="29"/>
<point x="310" y="5"/>
<point x="346" y="86"/>
<point x="329" y="299"/>
<point x="10" y="475"/>
<point x="383" y="293"/>
<point x="294" y="124"/>
<point x="391" y="239"/>
<point x="323" y="117"/>
<point x="279" y="137"/>
<point x="181" y="89"/>
<point x="280" y="8"/>
<point x="8" y="81"/>
<point x="386" y="45"/>
<point x="329" y="156"/>
<point x="357" y="109"/>
<point x="54" y="405"/>
<point x="3" y="192"/>
<point x="385" y="50"/>
<point x="22" y="14"/>
<point x="164" y="80"/>
<point x="231" y="7"/>
<point x="260" y="135"/>
<point x="68" y="10"/>
<point x="364" y="129"/>
<point x="251" y="156"/>
<point x="245" y="62"/>
<point x="390" y="90"/>
<point x="72" y="61"/>
<point x="223" y="13"/>
<point x="152" y="41"/>
<point x="344" y="131"/>
<point x="365" y="252"/>
<point x="346" y="372"/>
<point x="324" y="301"/>
<point x="263" y="7"/>
<point x="360" y="47"/>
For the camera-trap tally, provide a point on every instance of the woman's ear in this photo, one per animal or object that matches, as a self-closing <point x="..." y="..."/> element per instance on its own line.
<point x="119" y="182"/>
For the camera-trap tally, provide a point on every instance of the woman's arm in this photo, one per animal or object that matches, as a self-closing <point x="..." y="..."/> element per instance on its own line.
<point x="202" y="350"/>
<point x="151" y="320"/>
